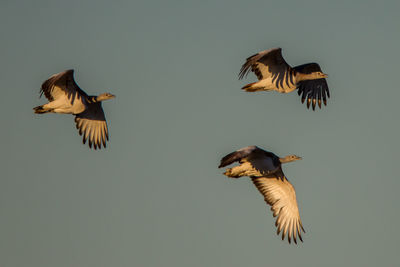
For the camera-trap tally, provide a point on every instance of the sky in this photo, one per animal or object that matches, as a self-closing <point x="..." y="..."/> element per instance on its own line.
<point x="154" y="196"/>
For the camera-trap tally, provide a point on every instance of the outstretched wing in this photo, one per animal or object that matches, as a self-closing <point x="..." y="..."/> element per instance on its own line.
<point x="269" y="64"/>
<point x="314" y="91"/>
<point x="262" y="161"/>
<point x="280" y="194"/>
<point x="61" y="84"/>
<point x="93" y="126"/>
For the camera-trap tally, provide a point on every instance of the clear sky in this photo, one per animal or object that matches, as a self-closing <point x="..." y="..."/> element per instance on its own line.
<point x="155" y="197"/>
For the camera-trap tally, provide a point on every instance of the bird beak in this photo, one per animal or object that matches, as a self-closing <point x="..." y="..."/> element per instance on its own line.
<point x="325" y="75"/>
<point x="112" y="96"/>
<point x="299" y="158"/>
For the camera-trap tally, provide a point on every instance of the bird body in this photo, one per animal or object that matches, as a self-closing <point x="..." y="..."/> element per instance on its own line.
<point x="264" y="169"/>
<point x="268" y="84"/>
<point x="66" y="97"/>
<point x="274" y="74"/>
<point x="62" y="104"/>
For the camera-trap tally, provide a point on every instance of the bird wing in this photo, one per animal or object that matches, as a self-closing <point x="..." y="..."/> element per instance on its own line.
<point x="61" y="84"/>
<point x="262" y="161"/>
<point x="312" y="90"/>
<point x="92" y="125"/>
<point x="280" y="194"/>
<point x="236" y="156"/>
<point x="268" y="63"/>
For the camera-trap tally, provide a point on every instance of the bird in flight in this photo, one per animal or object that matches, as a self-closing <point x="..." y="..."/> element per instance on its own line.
<point x="265" y="171"/>
<point x="275" y="74"/>
<point x="66" y="97"/>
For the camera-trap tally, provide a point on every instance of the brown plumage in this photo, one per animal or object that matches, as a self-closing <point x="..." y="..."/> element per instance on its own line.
<point x="66" y="97"/>
<point x="265" y="170"/>
<point x="275" y="74"/>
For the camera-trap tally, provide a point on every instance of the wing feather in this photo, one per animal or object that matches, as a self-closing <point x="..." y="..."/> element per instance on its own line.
<point x="236" y="156"/>
<point x="93" y="126"/>
<point x="268" y="64"/>
<point x="254" y="161"/>
<point x="280" y="194"/>
<point x="61" y="84"/>
<point x="312" y="91"/>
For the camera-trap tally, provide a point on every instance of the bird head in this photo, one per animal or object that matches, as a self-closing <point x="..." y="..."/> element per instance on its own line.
<point x="320" y="75"/>
<point x="105" y="96"/>
<point x="290" y="158"/>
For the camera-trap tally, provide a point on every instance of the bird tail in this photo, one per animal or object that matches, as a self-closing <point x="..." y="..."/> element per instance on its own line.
<point x="251" y="88"/>
<point x="40" y="110"/>
<point x="231" y="173"/>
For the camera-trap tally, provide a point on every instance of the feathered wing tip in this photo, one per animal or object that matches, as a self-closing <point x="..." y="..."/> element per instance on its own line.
<point x="250" y="61"/>
<point x="236" y="156"/>
<point x="228" y="159"/>
<point x="94" y="132"/>
<point x="296" y="232"/>
<point x="314" y="91"/>
<point x="48" y="85"/>
<point x="280" y="194"/>
<point x="246" y="67"/>
<point x="62" y="83"/>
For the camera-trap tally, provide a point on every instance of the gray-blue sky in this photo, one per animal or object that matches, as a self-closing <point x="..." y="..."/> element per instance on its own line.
<point x="154" y="197"/>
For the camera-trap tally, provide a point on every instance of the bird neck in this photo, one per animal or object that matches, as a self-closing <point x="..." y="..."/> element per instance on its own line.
<point x="285" y="159"/>
<point x="93" y="99"/>
<point x="303" y="76"/>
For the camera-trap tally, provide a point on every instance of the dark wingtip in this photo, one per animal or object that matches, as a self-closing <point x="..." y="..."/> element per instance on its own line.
<point x="104" y="143"/>
<point x="223" y="162"/>
<point x="228" y="159"/>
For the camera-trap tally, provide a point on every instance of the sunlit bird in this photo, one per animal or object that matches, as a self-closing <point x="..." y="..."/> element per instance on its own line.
<point x="275" y="74"/>
<point x="264" y="169"/>
<point x="66" y="97"/>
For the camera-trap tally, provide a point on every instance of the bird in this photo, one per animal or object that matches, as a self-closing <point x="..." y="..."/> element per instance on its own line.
<point x="65" y="97"/>
<point x="274" y="74"/>
<point x="265" y="170"/>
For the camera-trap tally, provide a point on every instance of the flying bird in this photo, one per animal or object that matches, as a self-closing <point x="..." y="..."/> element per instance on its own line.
<point x="275" y="74"/>
<point x="66" y="97"/>
<point x="265" y="171"/>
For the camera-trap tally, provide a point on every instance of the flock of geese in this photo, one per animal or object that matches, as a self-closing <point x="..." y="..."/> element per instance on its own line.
<point x="263" y="167"/>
